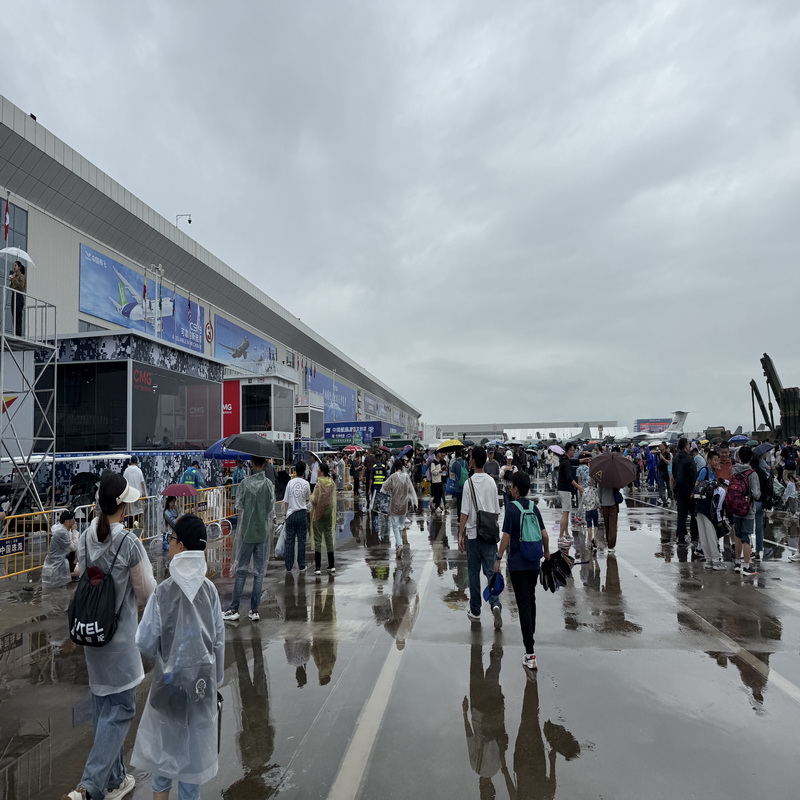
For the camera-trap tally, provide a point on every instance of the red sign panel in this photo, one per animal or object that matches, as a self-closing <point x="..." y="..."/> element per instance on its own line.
<point x="231" y="408"/>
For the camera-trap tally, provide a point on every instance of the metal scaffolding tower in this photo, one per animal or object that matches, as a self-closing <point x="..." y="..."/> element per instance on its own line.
<point x="28" y="381"/>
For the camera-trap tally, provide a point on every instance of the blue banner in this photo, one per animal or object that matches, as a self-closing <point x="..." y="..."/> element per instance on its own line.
<point x="340" y="400"/>
<point x="116" y="293"/>
<point x="236" y="346"/>
<point x="367" y="430"/>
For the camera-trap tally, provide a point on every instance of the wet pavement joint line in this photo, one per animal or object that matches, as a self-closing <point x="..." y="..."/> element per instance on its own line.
<point x="356" y="758"/>
<point x="784" y="684"/>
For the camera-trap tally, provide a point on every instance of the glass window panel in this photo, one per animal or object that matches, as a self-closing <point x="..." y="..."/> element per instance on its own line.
<point x="317" y="424"/>
<point x="282" y="408"/>
<point x="257" y="408"/>
<point x="92" y="407"/>
<point x="172" y="411"/>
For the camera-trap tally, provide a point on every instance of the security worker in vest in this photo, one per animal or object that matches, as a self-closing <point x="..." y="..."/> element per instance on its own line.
<point x="194" y="477"/>
<point x="377" y="477"/>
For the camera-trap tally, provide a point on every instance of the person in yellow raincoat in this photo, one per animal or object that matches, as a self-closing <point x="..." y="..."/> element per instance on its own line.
<point x="323" y="518"/>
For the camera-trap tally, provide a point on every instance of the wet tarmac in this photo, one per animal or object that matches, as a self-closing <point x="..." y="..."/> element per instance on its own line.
<point x="657" y="679"/>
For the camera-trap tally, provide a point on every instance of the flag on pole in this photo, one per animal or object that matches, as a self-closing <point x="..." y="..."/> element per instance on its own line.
<point x="6" y="222"/>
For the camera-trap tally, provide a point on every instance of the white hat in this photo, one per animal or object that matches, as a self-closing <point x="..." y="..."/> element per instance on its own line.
<point x="130" y="495"/>
<point x="509" y="454"/>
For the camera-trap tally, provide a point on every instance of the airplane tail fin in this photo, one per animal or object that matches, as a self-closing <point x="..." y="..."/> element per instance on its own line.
<point x="586" y="432"/>
<point x="738" y="431"/>
<point x="678" y="421"/>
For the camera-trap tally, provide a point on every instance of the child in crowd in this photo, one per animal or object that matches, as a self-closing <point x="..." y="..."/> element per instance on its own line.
<point x="591" y="505"/>
<point x="183" y="632"/>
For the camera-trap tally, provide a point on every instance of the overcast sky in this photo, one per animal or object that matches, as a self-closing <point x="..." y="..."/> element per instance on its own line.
<point x="510" y="211"/>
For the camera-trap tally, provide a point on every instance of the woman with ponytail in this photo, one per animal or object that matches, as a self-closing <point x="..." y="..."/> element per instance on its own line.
<point x="115" y="669"/>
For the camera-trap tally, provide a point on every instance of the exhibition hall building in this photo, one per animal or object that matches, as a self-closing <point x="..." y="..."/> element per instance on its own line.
<point x="162" y="348"/>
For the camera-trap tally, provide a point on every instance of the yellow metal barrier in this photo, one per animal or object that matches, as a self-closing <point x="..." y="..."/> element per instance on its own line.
<point x="25" y="538"/>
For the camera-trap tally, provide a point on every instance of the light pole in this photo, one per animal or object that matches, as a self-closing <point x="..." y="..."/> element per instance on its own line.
<point x="180" y="216"/>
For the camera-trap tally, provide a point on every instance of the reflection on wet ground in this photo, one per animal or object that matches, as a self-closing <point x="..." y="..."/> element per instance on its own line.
<point x="653" y="671"/>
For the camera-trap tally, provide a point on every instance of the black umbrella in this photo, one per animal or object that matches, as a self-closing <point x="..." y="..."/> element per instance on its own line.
<point x="254" y="445"/>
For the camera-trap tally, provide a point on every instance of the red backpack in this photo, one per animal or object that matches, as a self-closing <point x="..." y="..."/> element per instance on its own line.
<point x="737" y="498"/>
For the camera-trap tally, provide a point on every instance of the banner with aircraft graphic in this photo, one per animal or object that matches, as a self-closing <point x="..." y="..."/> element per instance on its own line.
<point x="111" y="291"/>
<point x="241" y="348"/>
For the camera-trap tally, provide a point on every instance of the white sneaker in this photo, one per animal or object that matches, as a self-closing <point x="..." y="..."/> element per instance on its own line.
<point x="473" y="617"/>
<point x="254" y="617"/>
<point x="75" y="794"/>
<point x="498" y="617"/>
<point x="529" y="661"/>
<point x="795" y="556"/>
<point x="126" y="787"/>
<point x="231" y="615"/>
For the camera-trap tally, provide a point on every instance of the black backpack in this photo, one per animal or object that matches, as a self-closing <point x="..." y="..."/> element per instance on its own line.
<point x="93" y="612"/>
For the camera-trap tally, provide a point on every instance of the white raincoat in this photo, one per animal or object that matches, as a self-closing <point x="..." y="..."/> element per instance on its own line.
<point x="183" y="631"/>
<point x="118" y="666"/>
<point x="55" y="570"/>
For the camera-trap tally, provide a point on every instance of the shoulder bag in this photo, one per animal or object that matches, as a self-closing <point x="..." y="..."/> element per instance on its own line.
<point x="486" y="522"/>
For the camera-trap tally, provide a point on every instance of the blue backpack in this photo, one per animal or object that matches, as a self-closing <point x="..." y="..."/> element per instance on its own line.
<point x="530" y="534"/>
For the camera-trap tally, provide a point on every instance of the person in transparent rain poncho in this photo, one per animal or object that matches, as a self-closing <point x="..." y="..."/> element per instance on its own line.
<point x="115" y="669"/>
<point x="56" y="570"/>
<point x="183" y="632"/>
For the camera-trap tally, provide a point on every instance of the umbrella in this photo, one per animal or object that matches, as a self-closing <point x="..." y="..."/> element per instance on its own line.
<point x="219" y="452"/>
<point x="353" y="448"/>
<point x="405" y="451"/>
<point x="612" y="470"/>
<point x="469" y="443"/>
<point x="16" y="253"/>
<point x="449" y="445"/>
<point x="384" y="449"/>
<point x="515" y="443"/>
<point x="752" y="442"/>
<point x="253" y="444"/>
<point x="740" y="438"/>
<point x="559" y="451"/>
<point x="180" y="490"/>
<point x="762" y="448"/>
<point x="496" y="441"/>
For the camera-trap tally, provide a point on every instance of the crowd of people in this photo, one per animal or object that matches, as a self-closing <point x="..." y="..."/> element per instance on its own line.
<point x="715" y="491"/>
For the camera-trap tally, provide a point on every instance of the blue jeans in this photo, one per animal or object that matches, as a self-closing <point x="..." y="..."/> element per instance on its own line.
<point x="759" y="506"/>
<point x="105" y="767"/>
<point x="396" y="527"/>
<point x="662" y="486"/>
<point x="296" y="528"/>
<point x="480" y="556"/>
<point x="186" y="791"/>
<point x="256" y="551"/>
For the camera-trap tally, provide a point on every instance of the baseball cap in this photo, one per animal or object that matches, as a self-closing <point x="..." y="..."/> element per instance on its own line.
<point x="495" y="587"/>
<point x="191" y="532"/>
<point x="130" y="495"/>
<point x="509" y="454"/>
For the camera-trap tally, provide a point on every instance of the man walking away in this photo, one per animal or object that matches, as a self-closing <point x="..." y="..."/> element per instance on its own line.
<point x="297" y="495"/>
<point x="480" y="553"/>
<point x="193" y="476"/>
<point x="743" y="491"/>
<point x="566" y="482"/>
<point x="255" y="501"/>
<point x="523" y="560"/>
<point x="133" y="474"/>
<point x="684" y="474"/>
